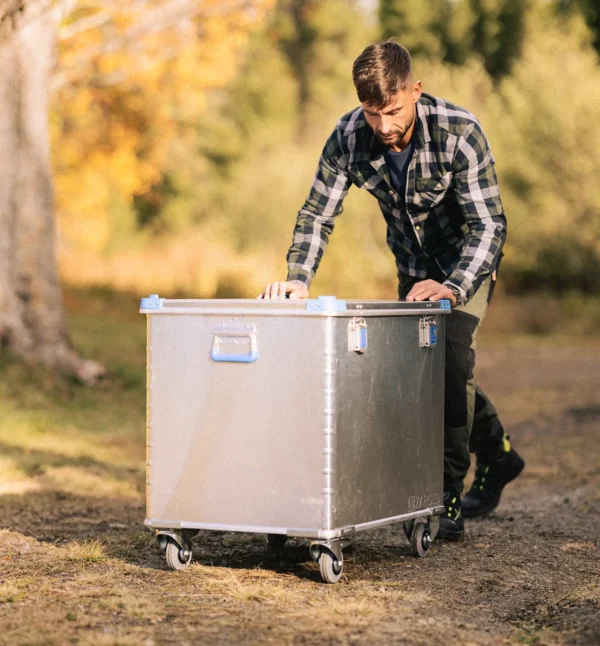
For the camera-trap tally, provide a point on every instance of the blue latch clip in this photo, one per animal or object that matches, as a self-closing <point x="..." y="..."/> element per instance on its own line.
<point x="153" y="302"/>
<point x="326" y="304"/>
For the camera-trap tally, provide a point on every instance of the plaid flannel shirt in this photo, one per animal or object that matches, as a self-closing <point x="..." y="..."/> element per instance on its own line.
<point x="451" y="214"/>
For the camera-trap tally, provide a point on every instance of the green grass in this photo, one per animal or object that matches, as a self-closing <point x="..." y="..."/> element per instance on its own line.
<point x="75" y="556"/>
<point x="53" y="426"/>
<point x="58" y="434"/>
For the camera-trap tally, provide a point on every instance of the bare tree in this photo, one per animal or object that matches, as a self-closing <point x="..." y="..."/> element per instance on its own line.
<point x="32" y="319"/>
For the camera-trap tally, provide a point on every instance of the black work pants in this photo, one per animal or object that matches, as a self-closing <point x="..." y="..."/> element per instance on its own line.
<point x="470" y="419"/>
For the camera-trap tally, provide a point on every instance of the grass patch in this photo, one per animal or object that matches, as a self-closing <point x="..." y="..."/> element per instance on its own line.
<point x="90" y="551"/>
<point x="589" y="592"/>
<point x="10" y="594"/>
<point x="59" y="434"/>
<point x="538" y="636"/>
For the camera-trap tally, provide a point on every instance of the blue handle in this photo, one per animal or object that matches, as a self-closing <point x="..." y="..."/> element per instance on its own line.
<point x="252" y="356"/>
<point x="228" y="337"/>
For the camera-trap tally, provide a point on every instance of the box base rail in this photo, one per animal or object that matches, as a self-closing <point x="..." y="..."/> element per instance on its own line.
<point x="294" y="532"/>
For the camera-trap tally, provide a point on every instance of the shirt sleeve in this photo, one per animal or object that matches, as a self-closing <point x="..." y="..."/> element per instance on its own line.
<point x="478" y="195"/>
<point x="316" y="218"/>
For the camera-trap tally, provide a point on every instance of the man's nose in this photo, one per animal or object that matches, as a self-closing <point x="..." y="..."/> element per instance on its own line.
<point x="385" y="125"/>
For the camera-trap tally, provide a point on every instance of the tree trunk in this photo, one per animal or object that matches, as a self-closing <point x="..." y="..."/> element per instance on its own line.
<point x="32" y="318"/>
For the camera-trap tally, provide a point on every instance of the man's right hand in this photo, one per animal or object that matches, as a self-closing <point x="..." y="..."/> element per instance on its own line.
<point x="296" y="289"/>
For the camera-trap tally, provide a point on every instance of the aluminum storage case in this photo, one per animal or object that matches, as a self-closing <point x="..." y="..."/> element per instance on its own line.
<point x="313" y="419"/>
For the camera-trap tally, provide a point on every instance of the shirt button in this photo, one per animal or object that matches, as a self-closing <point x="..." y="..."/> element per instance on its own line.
<point x="391" y="192"/>
<point x="418" y="228"/>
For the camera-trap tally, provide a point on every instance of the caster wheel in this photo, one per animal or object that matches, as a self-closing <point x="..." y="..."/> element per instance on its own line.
<point x="331" y="568"/>
<point x="420" y="540"/>
<point x="162" y="541"/>
<point x="177" y="559"/>
<point x="276" y="541"/>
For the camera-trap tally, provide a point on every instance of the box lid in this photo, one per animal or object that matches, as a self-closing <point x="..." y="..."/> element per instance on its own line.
<point x="321" y="306"/>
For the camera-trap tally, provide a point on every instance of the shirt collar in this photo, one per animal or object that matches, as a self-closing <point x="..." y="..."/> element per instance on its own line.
<point x="422" y="134"/>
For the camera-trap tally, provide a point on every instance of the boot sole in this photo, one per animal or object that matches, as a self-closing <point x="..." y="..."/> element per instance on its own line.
<point x="481" y="512"/>
<point x="445" y="535"/>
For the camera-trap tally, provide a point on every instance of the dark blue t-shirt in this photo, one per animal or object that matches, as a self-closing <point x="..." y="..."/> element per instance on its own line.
<point x="398" y="166"/>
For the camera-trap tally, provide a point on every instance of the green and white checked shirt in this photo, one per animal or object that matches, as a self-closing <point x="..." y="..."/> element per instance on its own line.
<point x="451" y="214"/>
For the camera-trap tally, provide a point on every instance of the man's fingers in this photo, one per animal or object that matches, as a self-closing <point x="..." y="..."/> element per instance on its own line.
<point x="420" y="292"/>
<point x="277" y="291"/>
<point x="419" y="288"/>
<point x="274" y="291"/>
<point x="425" y="294"/>
<point x="298" y="290"/>
<point x="300" y="293"/>
<point x="445" y="293"/>
<point x="433" y="293"/>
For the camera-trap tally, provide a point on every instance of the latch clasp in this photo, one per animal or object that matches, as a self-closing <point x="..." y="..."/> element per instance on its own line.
<point x="427" y="332"/>
<point x="357" y="335"/>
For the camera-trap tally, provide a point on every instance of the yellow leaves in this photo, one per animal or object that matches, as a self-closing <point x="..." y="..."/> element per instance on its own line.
<point x="128" y="87"/>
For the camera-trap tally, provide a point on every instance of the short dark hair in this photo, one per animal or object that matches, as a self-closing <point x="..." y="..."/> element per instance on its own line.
<point x="380" y="72"/>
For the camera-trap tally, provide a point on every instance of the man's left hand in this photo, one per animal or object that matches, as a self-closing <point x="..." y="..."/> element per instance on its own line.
<point x="430" y="290"/>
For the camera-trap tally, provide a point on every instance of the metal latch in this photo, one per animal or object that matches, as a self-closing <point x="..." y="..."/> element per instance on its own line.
<point x="357" y="335"/>
<point x="427" y="332"/>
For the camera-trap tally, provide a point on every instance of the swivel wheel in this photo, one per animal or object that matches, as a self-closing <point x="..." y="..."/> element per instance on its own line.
<point x="330" y="567"/>
<point x="420" y="539"/>
<point x="177" y="557"/>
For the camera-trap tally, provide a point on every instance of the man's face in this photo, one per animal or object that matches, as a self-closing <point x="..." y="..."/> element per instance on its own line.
<point x="393" y="124"/>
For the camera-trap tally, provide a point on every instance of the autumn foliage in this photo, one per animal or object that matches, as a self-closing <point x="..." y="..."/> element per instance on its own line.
<point x="185" y="142"/>
<point x="132" y="82"/>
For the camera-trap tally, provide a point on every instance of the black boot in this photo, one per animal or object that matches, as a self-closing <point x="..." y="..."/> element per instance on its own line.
<point x="490" y="478"/>
<point x="452" y="524"/>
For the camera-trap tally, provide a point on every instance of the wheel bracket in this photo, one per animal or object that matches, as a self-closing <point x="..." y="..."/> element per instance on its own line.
<point x="334" y="547"/>
<point x="182" y="539"/>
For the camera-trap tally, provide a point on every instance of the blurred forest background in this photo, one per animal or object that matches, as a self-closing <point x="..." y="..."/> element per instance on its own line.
<point x="184" y="136"/>
<point x="182" y="152"/>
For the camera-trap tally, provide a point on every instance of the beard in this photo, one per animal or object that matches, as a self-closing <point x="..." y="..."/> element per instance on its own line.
<point x="394" y="137"/>
<point x="391" y="138"/>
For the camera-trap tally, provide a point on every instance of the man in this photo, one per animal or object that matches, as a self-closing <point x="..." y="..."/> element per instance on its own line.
<point x="429" y="165"/>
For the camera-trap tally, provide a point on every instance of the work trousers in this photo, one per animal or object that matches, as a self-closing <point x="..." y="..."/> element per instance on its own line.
<point x="470" y="420"/>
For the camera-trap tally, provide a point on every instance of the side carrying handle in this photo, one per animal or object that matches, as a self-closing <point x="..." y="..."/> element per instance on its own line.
<point x="234" y="344"/>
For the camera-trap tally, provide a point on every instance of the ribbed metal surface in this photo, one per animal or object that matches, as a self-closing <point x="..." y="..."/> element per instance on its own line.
<point x="310" y="439"/>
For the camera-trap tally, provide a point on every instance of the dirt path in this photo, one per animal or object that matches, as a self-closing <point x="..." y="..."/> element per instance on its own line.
<point x="528" y="574"/>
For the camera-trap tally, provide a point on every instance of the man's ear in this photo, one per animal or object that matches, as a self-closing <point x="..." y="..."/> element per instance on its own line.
<point x="416" y="92"/>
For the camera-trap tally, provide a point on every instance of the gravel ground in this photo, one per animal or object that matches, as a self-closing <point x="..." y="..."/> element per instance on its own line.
<point x="529" y="573"/>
